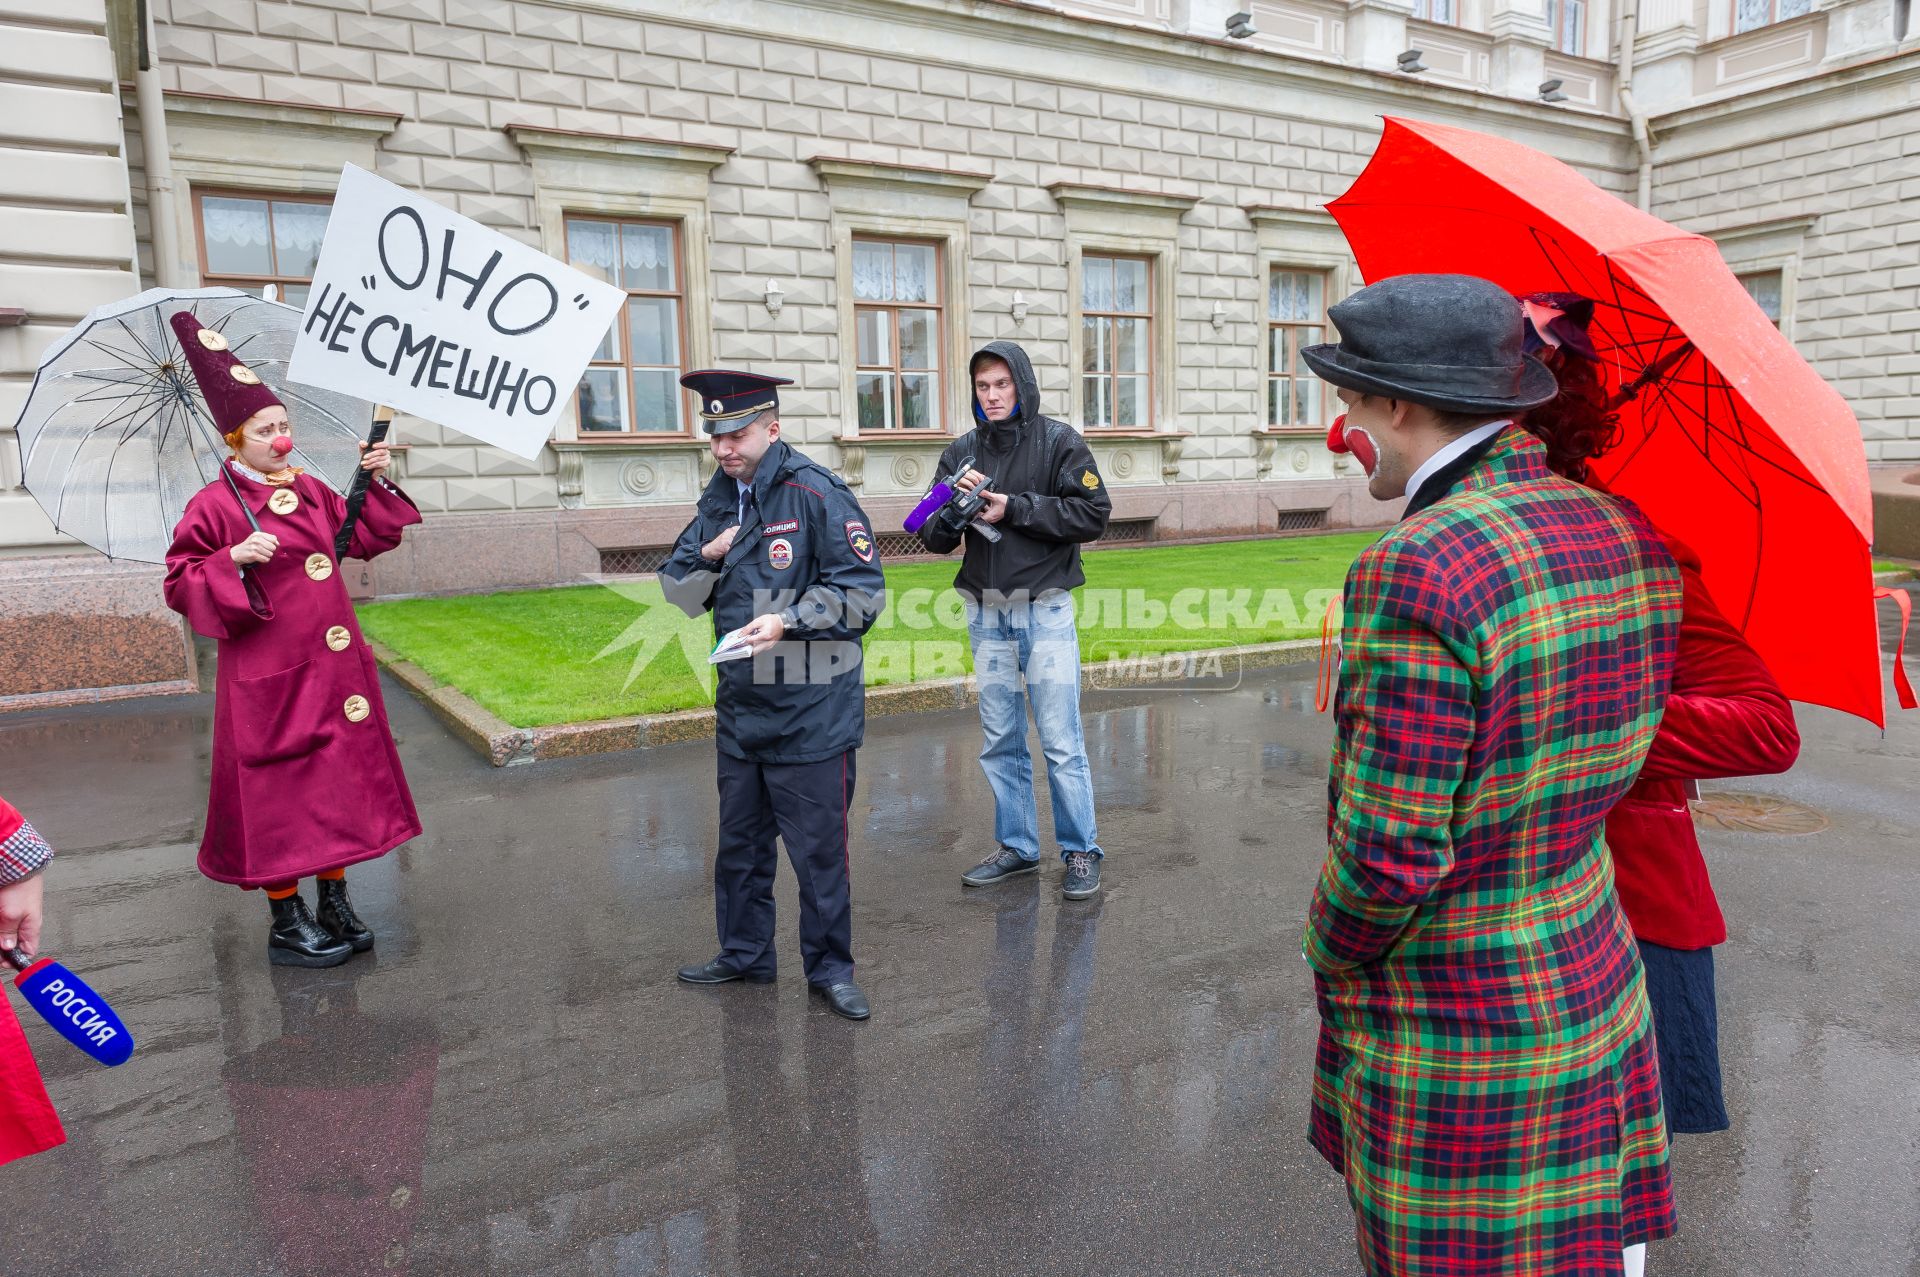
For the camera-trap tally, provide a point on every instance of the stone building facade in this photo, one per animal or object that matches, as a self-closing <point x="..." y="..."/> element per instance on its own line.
<point x="856" y="193"/>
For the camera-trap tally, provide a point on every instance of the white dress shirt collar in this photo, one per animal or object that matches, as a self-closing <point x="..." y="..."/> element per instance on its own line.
<point x="1453" y="448"/>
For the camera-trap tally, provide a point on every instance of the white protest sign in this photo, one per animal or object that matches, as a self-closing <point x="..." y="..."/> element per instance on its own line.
<point x="417" y="307"/>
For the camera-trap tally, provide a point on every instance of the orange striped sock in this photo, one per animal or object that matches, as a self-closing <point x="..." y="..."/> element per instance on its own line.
<point x="332" y="875"/>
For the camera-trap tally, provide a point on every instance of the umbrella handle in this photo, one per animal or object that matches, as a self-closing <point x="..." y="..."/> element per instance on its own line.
<point x="244" y="507"/>
<point x="1648" y="375"/>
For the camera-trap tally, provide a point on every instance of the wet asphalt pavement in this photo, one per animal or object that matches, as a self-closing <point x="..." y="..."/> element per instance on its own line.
<point x="514" y="1082"/>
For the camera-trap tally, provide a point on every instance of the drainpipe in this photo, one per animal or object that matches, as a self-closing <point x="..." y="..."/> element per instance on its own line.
<point x="1636" y="118"/>
<point x="158" y="159"/>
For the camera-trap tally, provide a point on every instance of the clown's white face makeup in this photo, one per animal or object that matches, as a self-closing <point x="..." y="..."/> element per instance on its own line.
<point x="1376" y="432"/>
<point x="266" y="440"/>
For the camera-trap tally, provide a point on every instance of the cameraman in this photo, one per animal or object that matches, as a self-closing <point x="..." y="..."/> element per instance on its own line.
<point x="1045" y="498"/>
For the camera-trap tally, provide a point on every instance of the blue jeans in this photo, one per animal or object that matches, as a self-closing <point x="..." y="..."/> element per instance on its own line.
<point x="1031" y="650"/>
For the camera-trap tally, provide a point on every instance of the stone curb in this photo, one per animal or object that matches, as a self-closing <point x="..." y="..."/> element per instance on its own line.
<point x="1896" y="577"/>
<point x="504" y="745"/>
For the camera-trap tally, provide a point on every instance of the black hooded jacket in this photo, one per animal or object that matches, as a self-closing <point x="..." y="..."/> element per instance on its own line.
<point x="1055" y="497"/>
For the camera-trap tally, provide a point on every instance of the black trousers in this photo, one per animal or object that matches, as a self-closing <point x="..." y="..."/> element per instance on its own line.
<point x="805" y="806"/>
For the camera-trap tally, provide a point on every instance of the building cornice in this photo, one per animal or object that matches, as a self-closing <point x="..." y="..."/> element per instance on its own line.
<point x="1283" y="215"/>
<point x="1800" y="101"/>
<point x="574" y="144"/>
<point x="1078" y="194"/>
<point x="333" y="121"/>
<point x="1084" y="40"/>
<point x="940" y="181"/>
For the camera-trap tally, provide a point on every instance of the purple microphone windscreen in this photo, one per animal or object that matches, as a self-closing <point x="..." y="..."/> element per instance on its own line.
<point x="941" y="494"/>
<point x="80" y="1015"/>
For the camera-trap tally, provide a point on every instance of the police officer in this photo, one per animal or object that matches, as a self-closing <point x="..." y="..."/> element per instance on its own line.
<point x="780" y="552"/>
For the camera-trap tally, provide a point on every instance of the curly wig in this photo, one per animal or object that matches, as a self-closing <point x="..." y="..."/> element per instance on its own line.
<point x="1574" y="425"/>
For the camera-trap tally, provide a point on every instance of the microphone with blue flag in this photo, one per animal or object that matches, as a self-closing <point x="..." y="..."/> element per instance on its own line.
<point x="70" y="1005"/>
<point x="953" y="508"/>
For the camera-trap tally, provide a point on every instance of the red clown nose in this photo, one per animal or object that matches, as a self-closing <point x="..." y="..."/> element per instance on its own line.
<point x="1360" y="445"/>
<point x="280" y="446"/>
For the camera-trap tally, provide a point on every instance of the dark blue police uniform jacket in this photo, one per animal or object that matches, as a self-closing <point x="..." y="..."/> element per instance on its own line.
<point x="807" y="553"/>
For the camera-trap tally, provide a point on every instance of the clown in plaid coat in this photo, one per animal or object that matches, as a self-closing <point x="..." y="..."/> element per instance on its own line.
<point x="1486" y="1077"/>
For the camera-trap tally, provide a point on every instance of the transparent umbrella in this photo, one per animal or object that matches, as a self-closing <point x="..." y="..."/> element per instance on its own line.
<point x="115" y="438"/>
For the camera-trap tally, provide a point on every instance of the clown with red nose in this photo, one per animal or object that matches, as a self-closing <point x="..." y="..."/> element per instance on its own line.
<point x="305" y="777"/>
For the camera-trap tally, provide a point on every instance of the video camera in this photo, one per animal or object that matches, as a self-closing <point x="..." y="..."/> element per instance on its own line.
<point x="953" y="509"/>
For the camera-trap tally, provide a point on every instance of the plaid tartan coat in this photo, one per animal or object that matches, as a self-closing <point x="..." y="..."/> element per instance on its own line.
<point x="1486" y="1078"/>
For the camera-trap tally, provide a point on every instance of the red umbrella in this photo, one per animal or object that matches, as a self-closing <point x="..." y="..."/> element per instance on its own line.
<point x="1730" y="441"/>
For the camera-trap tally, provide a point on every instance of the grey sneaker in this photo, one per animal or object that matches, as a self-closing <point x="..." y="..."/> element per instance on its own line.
<point x="1083" y="875"/>
<point x="1002" y="864"/>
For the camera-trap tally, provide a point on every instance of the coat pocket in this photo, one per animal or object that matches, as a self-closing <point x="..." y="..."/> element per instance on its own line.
<point x="279" y="716"/>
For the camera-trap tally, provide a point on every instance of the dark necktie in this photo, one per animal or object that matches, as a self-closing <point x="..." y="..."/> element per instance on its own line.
<point x="746" y="505"/>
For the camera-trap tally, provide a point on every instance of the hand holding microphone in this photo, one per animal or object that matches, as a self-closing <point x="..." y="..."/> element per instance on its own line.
<point x="76" y="1012"/>
<point x="965" y="502"/>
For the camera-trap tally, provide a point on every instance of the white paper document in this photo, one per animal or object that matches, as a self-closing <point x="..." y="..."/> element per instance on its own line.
<point x="731" y="647"/>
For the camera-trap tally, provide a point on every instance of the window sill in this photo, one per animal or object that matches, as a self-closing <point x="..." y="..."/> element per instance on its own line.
<point x="1132" y="432"/>
<point x="1294" y="432"/>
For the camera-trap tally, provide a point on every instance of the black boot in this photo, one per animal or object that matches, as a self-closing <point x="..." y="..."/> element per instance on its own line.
<point x="337" y="916"/>
<point x="296" y="940"/>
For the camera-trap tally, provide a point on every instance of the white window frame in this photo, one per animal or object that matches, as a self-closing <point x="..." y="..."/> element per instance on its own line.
<point x="596" y="176"/>
<point x="1771" y="245"/>
<point x="1303" y="240"/>
<point x="1108" y="221"/>
<point x="234" y="146"/>
<point x="893" y="201"/>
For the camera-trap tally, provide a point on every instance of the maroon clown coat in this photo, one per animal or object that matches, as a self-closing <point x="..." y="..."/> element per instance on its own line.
<point x="305" y="775"/>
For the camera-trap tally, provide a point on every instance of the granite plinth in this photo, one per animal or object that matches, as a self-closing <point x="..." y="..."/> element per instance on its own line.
<point x="80" y="628"/>
<point x="1896" y="513"/>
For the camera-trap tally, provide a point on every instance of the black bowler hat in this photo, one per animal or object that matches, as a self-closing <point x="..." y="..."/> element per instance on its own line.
<point x="1451" y="342"/>
<point x="730" y="400"/>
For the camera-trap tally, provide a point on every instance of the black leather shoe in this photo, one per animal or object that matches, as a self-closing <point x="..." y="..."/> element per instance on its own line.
<point x="845" y="999"/>
<point x="296" y="940"/>
<point x="336" y="915"/>
<point x="718" y="972"/>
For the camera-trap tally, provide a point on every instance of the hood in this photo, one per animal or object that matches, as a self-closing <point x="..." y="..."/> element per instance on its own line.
<point x="1024" y="382"/>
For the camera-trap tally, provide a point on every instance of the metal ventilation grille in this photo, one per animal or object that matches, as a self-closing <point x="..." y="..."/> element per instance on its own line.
<point x="1127" y="532"/>
<point x="1302" y="520"/>
<point x="633" y="560"/>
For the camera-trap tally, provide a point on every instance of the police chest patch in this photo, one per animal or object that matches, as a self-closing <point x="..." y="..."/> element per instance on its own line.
<point x="773" y="529"/>
<point x="861" y="542"/>
<point x="780" y="553"/>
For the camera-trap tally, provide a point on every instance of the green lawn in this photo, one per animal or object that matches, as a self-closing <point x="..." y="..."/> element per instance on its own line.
<point x="536" y="657"/>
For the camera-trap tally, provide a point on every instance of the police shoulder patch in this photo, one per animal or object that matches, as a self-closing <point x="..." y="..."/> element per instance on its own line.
<point x="1090" y="479"/>
<point x="860" y="540"/>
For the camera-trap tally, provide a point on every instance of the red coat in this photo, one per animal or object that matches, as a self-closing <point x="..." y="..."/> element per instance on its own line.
<point x="1725" y="717"/>
<point x="305" y="776"/>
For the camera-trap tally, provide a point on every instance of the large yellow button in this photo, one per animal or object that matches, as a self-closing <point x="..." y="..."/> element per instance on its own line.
<point x="284" y="501"/>
<point x="338" y="638"/>
<point x="244" y="375"/>
<point x="211" y="339"/>
<point x="319" y="566"/>
<point x="357" y="708"/>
